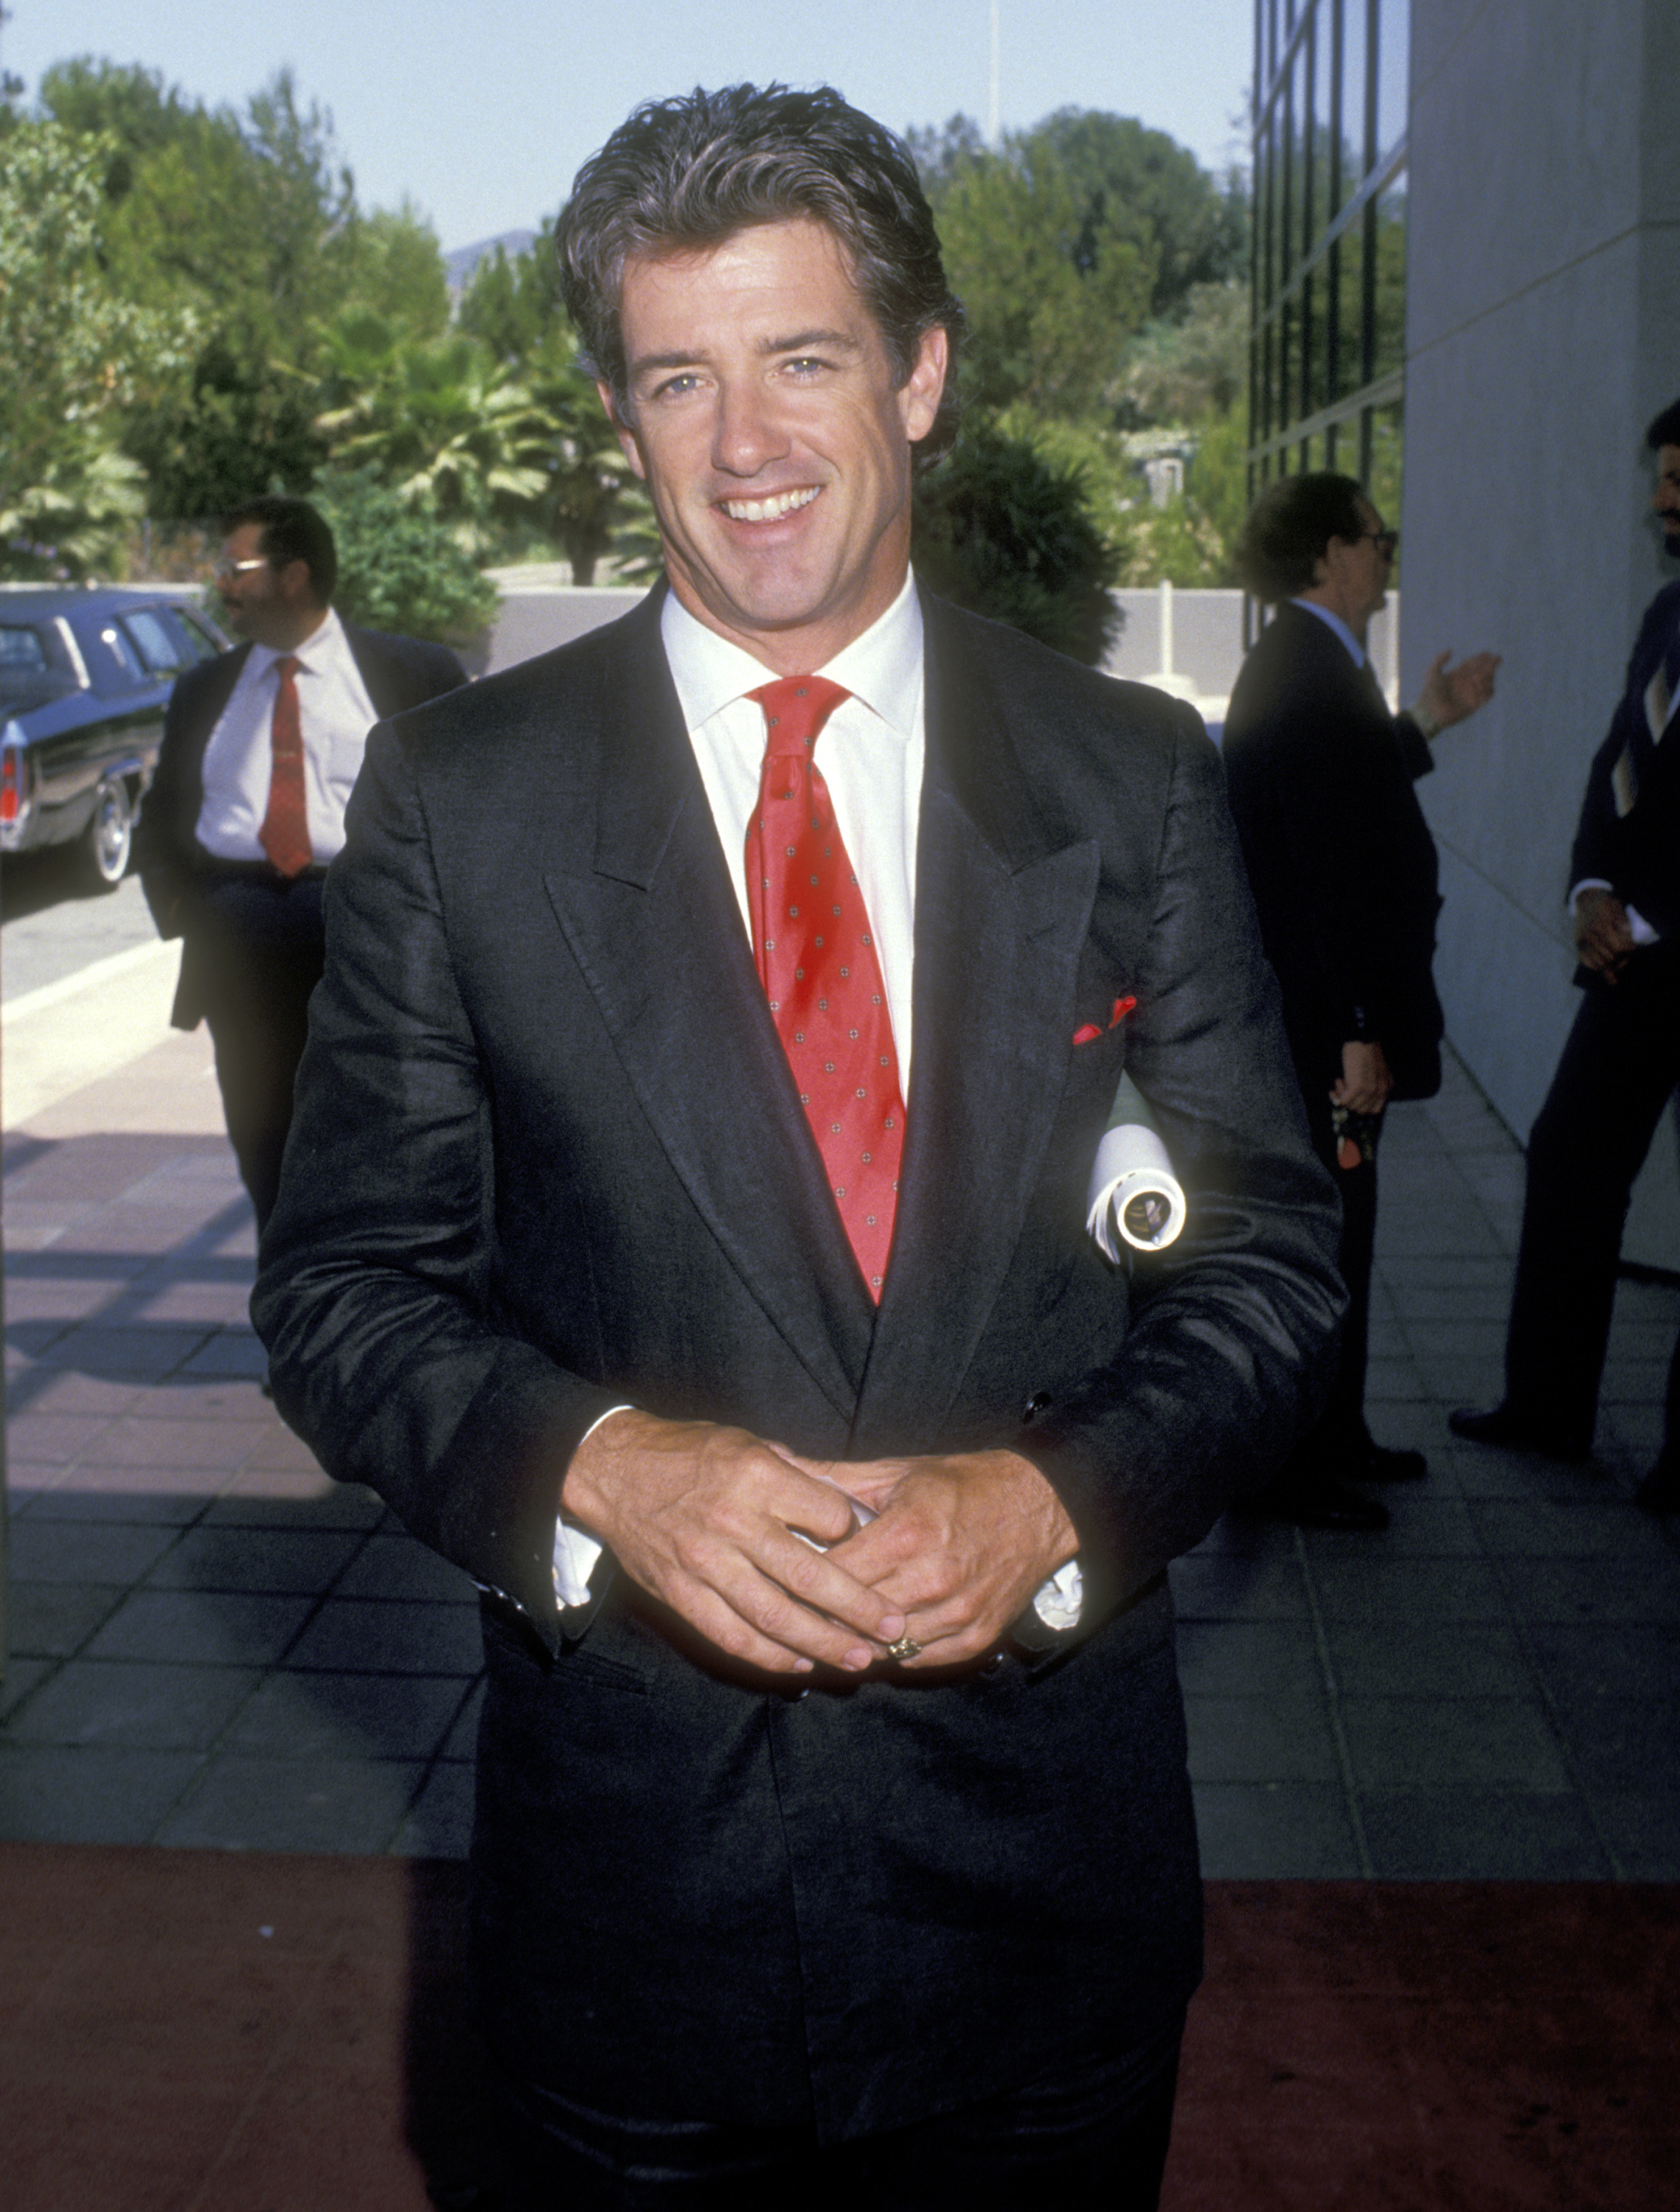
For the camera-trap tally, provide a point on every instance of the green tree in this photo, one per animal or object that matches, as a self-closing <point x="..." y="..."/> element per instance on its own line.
<point x="1006" y="533"/>
<point x="74" y="356"/>
<point x="400" y="568"/>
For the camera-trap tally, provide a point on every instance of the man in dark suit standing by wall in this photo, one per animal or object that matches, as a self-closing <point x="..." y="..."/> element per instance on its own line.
<point x="1621" y="1063"/>
<point x="720" y="1017"/>
<point x="1342" y="865"/>
<point x="261" y="747"/>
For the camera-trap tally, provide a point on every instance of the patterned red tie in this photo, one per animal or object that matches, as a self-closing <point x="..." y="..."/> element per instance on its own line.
<point x="285" y="831"/>
<point x="816" y="962"/>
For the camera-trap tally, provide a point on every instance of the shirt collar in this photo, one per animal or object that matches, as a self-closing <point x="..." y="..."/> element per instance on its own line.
<point x="318" y="649"/>
<point x="1335" y="623"/>
<point x="882" y="668"/>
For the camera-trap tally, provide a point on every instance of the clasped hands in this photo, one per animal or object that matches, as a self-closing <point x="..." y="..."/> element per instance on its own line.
<point x="704" y="1516"/>
<point x="1603" y="935"/>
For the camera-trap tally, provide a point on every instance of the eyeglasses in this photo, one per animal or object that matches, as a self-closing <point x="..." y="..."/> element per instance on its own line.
<point x="1387" y="542"/>
<point x="225" y="570"/>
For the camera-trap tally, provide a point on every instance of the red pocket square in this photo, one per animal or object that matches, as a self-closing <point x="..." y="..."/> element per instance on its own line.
<point x="1087" y="1032"/>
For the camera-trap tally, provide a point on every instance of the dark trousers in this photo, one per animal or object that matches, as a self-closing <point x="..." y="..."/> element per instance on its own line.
<point x="1338" y="1442"/>
<point x="1618" y="1070"/>
<point x="261" y="947"/>
<point x="1092" y="2138"/>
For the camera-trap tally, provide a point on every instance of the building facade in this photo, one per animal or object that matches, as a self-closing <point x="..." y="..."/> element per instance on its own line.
<point x="1525" y="152"/>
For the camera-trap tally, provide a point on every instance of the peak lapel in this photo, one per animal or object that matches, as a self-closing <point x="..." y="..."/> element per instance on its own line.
<point x="1001" y="914"/>
<point x="654" y="925"/>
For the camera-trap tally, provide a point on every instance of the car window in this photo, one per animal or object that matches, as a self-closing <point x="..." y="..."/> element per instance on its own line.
<point x="158" y="650"/>
<point x="200" y="643"/>
<point x="20" y="648"/>
<point x="121" y="648"/>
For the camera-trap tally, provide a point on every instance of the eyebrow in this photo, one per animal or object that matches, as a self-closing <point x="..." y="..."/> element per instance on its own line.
<point x="801" y="342"/>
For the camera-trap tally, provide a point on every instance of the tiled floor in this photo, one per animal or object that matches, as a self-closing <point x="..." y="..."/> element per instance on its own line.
<point x="214" y="1646"/>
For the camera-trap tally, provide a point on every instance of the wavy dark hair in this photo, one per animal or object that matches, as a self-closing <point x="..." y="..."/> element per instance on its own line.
<point x="683" y="175"/>
<point x="292" y="531"/>
<point x="1289" y="528"/>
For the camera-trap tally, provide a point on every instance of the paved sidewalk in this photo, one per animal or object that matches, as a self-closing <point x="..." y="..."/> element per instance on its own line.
<point x="214" y="1646"/>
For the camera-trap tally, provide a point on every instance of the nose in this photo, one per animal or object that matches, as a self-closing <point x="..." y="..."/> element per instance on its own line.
<point x="745" y="434"/>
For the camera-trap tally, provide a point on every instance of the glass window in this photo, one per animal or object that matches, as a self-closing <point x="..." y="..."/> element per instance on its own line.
<point x="1393" y="69"/>
<point x="200" y="643"/>
<point x="20" y="649"/>
<point x="159" y="653"/>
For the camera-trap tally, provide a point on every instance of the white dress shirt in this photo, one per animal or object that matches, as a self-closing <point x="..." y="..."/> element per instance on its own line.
<point x="870" y="752"/>
<point x="335" y="714"/>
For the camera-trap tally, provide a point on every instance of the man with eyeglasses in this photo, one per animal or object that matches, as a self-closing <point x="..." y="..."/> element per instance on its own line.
<point x="1319" y="774"/>
<point x="260" y="749"/>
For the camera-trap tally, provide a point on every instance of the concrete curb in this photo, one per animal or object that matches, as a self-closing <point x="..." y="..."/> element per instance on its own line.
<point x="84" y="1026"/>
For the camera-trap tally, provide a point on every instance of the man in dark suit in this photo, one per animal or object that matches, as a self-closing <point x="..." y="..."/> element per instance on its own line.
<point x="1621" y="1063"/>
<point x="261" y="747"/>
<point x="1343" y="866"/>
<point x="720" y="1017"/>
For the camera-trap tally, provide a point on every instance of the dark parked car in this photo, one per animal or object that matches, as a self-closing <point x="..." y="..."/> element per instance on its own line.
<point x="84" y="679"/>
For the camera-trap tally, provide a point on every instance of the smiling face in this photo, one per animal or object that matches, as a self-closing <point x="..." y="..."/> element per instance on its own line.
<point x="767" y="428"/>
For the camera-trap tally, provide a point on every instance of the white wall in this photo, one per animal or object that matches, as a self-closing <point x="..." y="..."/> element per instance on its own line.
<point x="1542" y="333"/>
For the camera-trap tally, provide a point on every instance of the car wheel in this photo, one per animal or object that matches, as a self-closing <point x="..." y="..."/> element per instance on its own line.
<point x="107" y="837"/>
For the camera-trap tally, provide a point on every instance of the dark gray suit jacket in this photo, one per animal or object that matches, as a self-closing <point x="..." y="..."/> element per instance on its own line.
<point x="399" y="671"/>
<point x="547" y="1157"/>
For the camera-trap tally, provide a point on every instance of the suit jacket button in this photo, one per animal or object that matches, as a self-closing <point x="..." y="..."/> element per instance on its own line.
<point x="1035" y="1405"/>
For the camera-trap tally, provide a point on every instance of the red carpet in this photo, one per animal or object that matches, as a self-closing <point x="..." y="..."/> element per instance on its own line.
<point x="1378" y="2047"/>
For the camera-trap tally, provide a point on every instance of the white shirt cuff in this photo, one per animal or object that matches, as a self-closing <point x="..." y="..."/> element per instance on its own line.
<point x="574" y="1553"/>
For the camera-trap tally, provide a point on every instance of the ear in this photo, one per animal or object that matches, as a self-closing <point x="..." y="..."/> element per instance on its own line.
<point x="622" y="430"/>
<point x="297" y="583"/>
<point x="924" y="387"/>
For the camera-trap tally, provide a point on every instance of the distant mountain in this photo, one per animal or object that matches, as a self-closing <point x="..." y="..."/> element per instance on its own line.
<point x="459" y="266"/>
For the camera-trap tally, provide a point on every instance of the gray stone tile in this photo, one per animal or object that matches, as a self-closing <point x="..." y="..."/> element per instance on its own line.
<point x="341" y="1505"/>
<point x="1274" y="1831"/>
<point x="463" y="1738"/>
<point x="1584" y="1527"/>
<point x="1248" y="1659"/>
<point x="1479" y="1471"/>
<point x="1481" y="1835"/>
<point x="1439" y="1270"/>
<point x="1454" y="1337"/>
<point x="1440" y="1743"/>
<point x="1424" y="1659"/>
<point x="1274" y="1739"/>
<point x="1592" y="1589"/>
<point x="310" y="1716"/>
<point x="124" y="1702"/>
<point x="245" y="1804"/>
<point x="188" y="1625"/>
<point x="1461" y="1381"/>
<point x="1393" y="1382"/>
<point x="1377" y="1588"/>
<point x="284" y="1560"/>
<point x="1639" y="1659"/>
<point x="1424" y="1525"/>
<point x="50" y="1794"/>
<point x="227" y="1351"/>
<point x="398" y="1567"/>
<point x="50" y="1620"/>
<point x="119" y="1354"/>
<point x="1642" y="1827"/>
<point x="84" y="1551"/>
<point x="173" y="1508"/>
<point x="1227" y="1589"/>
<point x="440" y="1824"/>
<point x="21" y="1677"/>
<point x="376" y="1636"/>
<point x="1617" y="1742"/>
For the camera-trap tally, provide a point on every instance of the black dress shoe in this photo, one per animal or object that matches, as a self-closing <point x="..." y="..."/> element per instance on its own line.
<point x="1384" y="1463"/>
<point x="1659" y="1492"/>
<point x="1328" y="1503"/>
<point x="1502" y="1425"/>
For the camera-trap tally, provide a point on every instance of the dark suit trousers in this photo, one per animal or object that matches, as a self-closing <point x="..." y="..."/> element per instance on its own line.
<point x="261" y="947"/>
<point x="1618" y="1070"/>
<point x="1092" y="2134"/>
<point x="1336" y="1443"/>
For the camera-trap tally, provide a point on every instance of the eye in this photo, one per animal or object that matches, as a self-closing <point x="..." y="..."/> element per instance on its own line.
<point x="677" y="387"/>
<point x="805" y="365"/>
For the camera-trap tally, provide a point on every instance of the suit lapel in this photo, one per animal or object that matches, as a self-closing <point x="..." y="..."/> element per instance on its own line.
<point x="653" y="924"/>
<point x="1001" y="914"/>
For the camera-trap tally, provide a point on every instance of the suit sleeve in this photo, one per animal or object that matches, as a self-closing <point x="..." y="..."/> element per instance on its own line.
<point x="162" y="851"/>
<point x="1594" y="852"/>
<point x="372" y="1296"/>
<point x="1233" y="1339"/>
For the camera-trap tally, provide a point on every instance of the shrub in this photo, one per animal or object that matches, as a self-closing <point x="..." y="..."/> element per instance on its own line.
<point x="400" y="568"/>
<point x="1005" y="533"/>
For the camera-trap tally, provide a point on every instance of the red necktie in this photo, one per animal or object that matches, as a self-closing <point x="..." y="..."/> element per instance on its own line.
<point x="285" y="831"/>
<point x="817" y="962"/>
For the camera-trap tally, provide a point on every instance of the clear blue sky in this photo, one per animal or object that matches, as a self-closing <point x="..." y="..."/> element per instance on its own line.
<point x="482" y="116"/>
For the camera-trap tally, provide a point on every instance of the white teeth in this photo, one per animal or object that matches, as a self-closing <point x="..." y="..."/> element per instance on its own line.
<point x="768" y="510"/>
